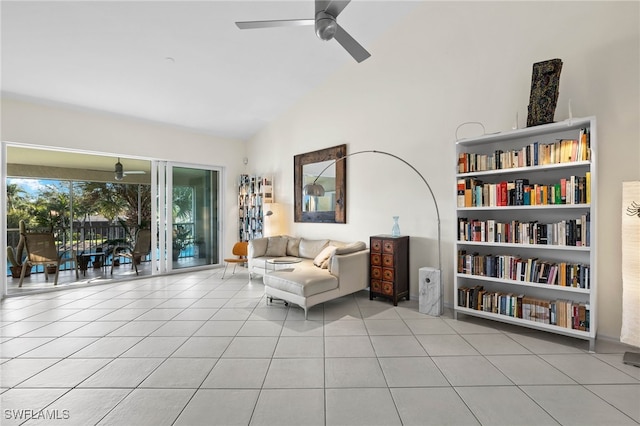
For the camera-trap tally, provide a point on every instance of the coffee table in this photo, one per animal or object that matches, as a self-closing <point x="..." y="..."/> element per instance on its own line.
<point x="280" y="261"/>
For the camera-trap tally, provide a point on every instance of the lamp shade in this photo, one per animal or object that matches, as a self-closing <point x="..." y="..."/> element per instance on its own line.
<point x="314" y="190"/>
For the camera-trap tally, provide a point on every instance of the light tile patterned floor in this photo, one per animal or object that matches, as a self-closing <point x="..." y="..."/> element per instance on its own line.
<point x="193" y="349"/>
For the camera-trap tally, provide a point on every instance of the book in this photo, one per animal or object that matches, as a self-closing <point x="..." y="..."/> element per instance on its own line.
<point x="574" y="151"/>
<point x="575" y="316"/>
<point x="587" y="315"/>
<point x="461" y="186"/>
<point x="476" y="230"/>
<point x="462" y="163"/>
<point x="491" y="230"/>
<point x="468" y="197"/>
<point x="519" y="191"/>
<point x="503" y="200"/>
<point x="518" y="310"/>
<point x="478" y="196"/>
<point x="526" y="197"/>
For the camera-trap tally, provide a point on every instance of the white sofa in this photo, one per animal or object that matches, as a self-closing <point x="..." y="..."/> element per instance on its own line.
<point x="323" y="269"/>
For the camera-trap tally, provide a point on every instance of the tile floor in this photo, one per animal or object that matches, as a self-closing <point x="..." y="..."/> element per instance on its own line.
<point x="193" y="349"/>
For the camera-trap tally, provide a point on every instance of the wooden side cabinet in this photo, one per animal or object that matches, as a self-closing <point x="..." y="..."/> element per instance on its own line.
<point x="389" y="264"/>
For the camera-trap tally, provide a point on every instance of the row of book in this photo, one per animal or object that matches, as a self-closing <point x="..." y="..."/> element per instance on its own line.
<point x="250" y="185"/>
<point x="562" y="313"/>
<point x="250" y="200"/>
<point x="532" y="270"/>
<point x="250" y="212"/>
<point x="250" y="228"/>
<point x="534" y="154"/>
<point x="472" y="192"/>
<point x="570" y="232"/>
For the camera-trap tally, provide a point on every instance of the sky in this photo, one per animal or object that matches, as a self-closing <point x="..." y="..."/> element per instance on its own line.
<point x="32" y="187"/>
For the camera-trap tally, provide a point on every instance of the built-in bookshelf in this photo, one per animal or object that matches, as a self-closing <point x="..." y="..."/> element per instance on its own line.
<point x="253" y="193"/>
<point x="526" y="228"/>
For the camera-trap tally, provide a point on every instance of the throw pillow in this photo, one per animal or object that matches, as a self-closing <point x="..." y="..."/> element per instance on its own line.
<point x="310" y="248"/>
<point x="322" y="259"/>
<point x="351" y="248"/>
<point x="293" y="246"/>
<point x="276" y="247"/>
<point x="325" y="264"/>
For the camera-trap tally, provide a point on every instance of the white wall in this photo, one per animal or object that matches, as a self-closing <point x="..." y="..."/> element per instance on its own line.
<point x="31" y="123"/>
<point x="446" y="64"/>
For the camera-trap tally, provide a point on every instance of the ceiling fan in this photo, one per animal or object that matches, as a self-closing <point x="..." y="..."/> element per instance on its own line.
<point x="326" y="26"/>
<point x="120" y="173"/>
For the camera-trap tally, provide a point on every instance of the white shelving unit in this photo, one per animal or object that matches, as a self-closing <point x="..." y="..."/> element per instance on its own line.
<point x="487" y="261"/>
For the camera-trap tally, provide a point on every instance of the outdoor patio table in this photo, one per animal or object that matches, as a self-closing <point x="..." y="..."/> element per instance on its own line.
<point x="85" y="258"/>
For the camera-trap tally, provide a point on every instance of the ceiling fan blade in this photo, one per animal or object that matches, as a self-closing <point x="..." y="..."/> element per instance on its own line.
<point x="134" y="172"/>
<point x="336" y="6"/>
<point x="247" y="25"/>
<point x="354" y="48"/>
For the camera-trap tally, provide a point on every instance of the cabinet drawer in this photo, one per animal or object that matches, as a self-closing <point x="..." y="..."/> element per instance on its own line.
<point x="376" y="273"/>
<point x="376" y="286"/>
<point x="376" y="245"/>
<point x="376" y="259"/>
<point x="387" y="274"/>
<point x="388" y="247"/>
<point x="387" y="288"/>
<point x="387" y="260"/>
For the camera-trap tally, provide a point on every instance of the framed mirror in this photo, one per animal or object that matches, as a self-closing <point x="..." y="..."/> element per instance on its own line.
<point x="320" y="168"/>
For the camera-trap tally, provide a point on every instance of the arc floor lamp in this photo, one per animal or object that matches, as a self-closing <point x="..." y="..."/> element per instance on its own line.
<point x="315" y="189"/>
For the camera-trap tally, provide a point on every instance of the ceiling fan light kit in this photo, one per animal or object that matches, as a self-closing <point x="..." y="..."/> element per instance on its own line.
<point x="326" y="26"/>
<point x="119" y="170"/>
<point x="120" y="173"/>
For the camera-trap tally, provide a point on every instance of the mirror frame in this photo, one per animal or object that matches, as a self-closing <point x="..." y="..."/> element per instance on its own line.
<point x="339" y="215"/>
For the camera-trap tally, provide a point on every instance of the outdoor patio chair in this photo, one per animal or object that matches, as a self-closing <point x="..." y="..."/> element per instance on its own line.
<point x="141" y="248"/>
<point x="240" y="250"/>
<point x="41" y="250"/>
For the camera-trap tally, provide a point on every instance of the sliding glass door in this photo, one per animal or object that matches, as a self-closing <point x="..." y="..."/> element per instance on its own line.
<point x="92" y="209"/>
<point x="193" y="207"/>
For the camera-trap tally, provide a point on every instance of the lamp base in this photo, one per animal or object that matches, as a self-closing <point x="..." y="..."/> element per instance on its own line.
<point x="430" y="301"/>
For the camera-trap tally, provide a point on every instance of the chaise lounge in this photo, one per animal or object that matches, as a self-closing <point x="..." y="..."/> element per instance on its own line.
<point x="316" y="270"/>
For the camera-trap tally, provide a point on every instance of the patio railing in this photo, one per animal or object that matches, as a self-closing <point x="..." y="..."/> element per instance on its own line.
<point x="90" y="238"/>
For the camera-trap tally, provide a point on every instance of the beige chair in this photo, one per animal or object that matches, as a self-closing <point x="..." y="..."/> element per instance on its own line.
<point x="41" y="250"/>
<point x="240" y="250"/>
<point x="141" y="248"/>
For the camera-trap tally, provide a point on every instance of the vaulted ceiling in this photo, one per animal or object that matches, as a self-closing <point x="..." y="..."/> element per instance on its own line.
<point x="183" y="63"/>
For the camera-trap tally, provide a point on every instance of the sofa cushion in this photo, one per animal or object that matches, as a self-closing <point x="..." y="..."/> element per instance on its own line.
<point x="310" y="248"/>
<point x="258" y="247"/>
<point x="322" y="259"/>
<point x="293" y="245"/>
<point x="276" y="247"/>
<point x="301" y="282"/>
<point x="351" y="247"/>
